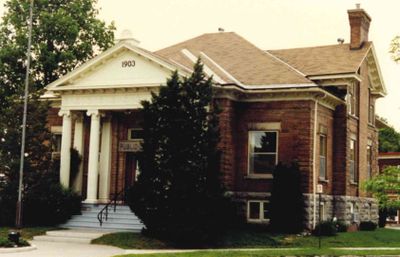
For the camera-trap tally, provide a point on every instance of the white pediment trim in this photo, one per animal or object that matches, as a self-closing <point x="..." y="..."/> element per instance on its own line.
<point x="375" y="73"/>
<point x="103" y="58"/>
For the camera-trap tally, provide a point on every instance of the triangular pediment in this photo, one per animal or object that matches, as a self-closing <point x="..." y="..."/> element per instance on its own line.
<point x="123" y="65"/>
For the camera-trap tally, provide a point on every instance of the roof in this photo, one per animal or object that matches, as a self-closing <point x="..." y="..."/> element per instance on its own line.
<point x="324" y="60"/>
<point x="234" y="59"/>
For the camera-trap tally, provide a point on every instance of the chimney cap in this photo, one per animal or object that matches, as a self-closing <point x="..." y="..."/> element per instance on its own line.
<point x="358" y="6"/>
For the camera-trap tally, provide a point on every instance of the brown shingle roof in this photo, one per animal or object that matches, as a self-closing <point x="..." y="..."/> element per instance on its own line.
<point x="323" y="60"/>
<point x="241" y="59"/>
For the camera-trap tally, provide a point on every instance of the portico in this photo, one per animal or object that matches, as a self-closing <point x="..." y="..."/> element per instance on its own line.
<point x="96" y="99"/>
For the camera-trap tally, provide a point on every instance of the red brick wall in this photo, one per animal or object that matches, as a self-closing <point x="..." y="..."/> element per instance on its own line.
<point x="295" y="139"/>
<point x="325" y="118"/>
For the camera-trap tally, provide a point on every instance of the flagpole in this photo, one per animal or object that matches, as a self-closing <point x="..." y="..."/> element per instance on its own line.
<point x="18" y="218"/>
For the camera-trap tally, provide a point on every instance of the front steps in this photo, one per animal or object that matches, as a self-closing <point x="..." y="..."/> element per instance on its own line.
<point x="121" y="220"/>
<point x="82" y="236"/>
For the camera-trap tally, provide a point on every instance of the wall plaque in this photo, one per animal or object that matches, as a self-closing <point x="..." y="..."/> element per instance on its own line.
<point x="130" y="146"/>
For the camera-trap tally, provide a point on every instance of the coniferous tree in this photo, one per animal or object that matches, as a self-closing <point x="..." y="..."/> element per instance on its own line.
<point x="287" y="203"/>
<point x="179" y="195"/>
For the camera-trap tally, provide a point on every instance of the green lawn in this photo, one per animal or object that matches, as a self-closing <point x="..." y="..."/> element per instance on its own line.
<point x="261" y="239"/>
<point x="274" y="252"/>
<point x="27" y="233"/>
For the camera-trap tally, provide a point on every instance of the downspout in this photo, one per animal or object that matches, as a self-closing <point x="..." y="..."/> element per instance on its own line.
<point x="314" y="194"/>
<point x="314" y="163"/>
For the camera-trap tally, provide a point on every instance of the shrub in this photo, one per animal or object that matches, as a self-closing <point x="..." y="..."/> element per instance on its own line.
<point x="50" y="205"/>
<point x="287" y="203"/>
<point x="4" y="242"/>
<point x="341" y="226"/>
<point x="325" y="228"/>
<point x="367" y="226"/>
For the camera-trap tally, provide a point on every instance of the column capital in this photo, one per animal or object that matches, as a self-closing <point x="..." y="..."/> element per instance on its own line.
<point x="66" y="113"/>
<point x="94" y="113"/>
<point x="78" y="116"/>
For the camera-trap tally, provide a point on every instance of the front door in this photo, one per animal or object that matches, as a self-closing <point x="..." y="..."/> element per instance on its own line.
<point x="131" y="169"/>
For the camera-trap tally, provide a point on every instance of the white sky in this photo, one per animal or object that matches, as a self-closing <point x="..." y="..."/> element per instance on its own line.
<point x="269" y="24"/>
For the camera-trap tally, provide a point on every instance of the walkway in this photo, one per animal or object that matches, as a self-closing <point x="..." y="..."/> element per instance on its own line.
<point x="56" y="249"/>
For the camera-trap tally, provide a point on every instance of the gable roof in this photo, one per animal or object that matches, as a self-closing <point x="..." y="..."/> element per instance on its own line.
<point x="324" y="60"/>
<point x="108" y="55"/>
<point x="234" y="60"/>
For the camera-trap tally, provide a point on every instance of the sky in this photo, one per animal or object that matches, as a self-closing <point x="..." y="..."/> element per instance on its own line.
<point x="269" y="24"/>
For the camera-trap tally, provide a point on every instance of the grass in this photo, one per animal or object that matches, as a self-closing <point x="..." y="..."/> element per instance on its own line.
<point x="260" y="239"/>
<point x="273" y="252"/>
<point x="26" y="233"/>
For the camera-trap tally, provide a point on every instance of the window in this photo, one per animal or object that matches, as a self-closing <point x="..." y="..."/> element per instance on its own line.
<point x="263" y="152"/>
<point x="369" y="161"/>
<point x="322" y="156"/>
<point x="353" y="161"/>
<point x="257" y="211"/>
<point x="56" y="146"/>
<point x="135" y="134"/>
<point x="371" y="110"/>
<point x="353" y="99"/>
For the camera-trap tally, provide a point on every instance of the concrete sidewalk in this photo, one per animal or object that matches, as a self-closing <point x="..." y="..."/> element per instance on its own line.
<point x="58" y="249"/>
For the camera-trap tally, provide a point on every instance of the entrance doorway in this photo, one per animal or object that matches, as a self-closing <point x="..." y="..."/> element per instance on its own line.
<point x="131" y="169"/>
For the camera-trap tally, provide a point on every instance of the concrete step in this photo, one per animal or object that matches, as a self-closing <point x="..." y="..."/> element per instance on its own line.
<point x="121" y="220"/>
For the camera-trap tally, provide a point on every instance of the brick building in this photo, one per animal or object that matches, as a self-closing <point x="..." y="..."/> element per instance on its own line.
<point x="314" y="105"/>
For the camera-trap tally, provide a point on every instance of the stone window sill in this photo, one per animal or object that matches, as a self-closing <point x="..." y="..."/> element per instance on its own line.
<point x="259" y="176"/>
<point x="353" y="116"/>
<point x="354" y="183"/>
<point x="323" y="180"/>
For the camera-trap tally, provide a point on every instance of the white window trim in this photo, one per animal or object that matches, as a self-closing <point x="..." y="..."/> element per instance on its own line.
<point x="257" y="175"/>
<point x="262" y="218"/>
<point x="325" y="177"/>
<point x="129" y="134"/>
<point x="355" y="162"/>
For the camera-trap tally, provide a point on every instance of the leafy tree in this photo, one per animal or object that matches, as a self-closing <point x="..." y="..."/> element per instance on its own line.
<point x="389" y="140"/>
<point x="179" y="195"/>
<point x="395" y="48"/>
<point x="40" y="178"/>
<point x="65" y="34"/>
<point x="386" y="188"/>
<point x="287" y="203"/>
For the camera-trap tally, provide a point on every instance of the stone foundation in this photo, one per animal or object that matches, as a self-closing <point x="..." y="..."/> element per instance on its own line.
<point x="348" y="209"/>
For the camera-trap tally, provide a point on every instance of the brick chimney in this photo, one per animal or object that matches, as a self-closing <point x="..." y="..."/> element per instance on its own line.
<point x="359" y="27"/>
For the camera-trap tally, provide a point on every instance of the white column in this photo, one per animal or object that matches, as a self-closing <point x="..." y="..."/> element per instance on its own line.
<point x="79" y="146"/>
<point x="105" y="161"/>
<point x="65" y="157"/>
<point x="93" y="167"/>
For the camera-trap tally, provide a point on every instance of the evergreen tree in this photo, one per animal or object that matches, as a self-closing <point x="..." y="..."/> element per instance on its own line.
<point x="287" y="203"/>
<point x="179" y="195"/>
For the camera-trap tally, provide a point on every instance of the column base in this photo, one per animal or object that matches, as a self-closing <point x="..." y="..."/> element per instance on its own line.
<point x="104" y="201"/>
<point x="91" y="201"/>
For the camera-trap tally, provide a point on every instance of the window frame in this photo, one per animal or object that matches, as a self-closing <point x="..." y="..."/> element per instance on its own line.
<point x="129" y="136"/>
<point x="353" y="172"/>
<point x="262" y="204"/>
<point x="325" y="175"/>
<point x="353" y="99"/>
<point x="249" y="152"/>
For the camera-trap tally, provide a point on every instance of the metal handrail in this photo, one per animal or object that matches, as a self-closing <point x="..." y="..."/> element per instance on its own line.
<point x="103" y="214"/>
